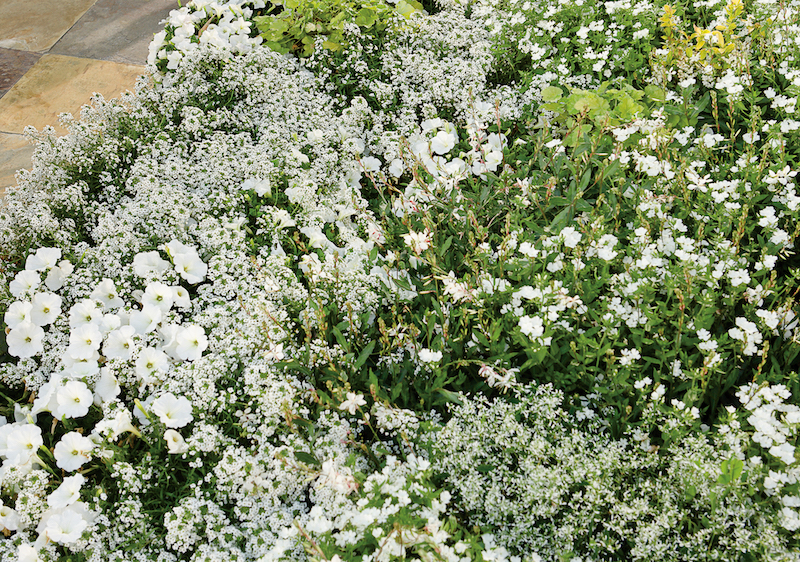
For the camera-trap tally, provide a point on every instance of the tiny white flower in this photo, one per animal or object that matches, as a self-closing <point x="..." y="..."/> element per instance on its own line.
<point x="571" y="237"/>
<point x="429" y="356"/>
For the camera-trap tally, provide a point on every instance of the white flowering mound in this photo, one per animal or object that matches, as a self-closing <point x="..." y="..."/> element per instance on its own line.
<point x="507" y="281"/>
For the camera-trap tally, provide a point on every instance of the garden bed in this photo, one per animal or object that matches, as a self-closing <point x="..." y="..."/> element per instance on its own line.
<point x="494" y="280"/>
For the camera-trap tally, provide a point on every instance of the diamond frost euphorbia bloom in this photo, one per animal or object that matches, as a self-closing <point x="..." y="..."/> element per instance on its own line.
<point x="73" y="451"/>
<point x="25" y="340"/>
<point x="174" y="412"/>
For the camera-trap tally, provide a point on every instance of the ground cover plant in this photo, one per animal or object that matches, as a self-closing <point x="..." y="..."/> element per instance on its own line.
<point x="491" y="280"/>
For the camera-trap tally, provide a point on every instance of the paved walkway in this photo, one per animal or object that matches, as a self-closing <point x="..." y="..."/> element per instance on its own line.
<point x="55" y="53"/>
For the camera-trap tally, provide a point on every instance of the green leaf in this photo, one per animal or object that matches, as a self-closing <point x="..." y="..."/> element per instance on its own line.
<point x="364" y="355"/>
<point x="552" y="93"/>
<point x="307" y="458"/>
<point x="450" y="396"/>
<point x="366" y="17"/>
<point x="485" y="468"/>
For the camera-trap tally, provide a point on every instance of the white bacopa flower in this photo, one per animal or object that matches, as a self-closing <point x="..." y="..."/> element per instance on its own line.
<point x="190" y="267"/>
<point x="24" y="283"/>
<point x="352" y="403"/>
<point x="74" y="399"/>
<point x="22" y="443"/>
<point x="17" y="313"/>
<point x="149" y="362"/>
<point x="73" y="451"/>
<point x="46" y="307"/>
<point x="119" y="343"/>
<point x="174" y="412"/>
<point x="785" y="452"/>
<point x="106" y="293"/>
<point x="44" y="258"/>
<point x="158" y="295"/>
<point x="191" y="342"/>
<point x="25" y="340"/>
<point x="175" y="442"/>
<point x="146" y="264"/>
<point x="67" y="493"/>
<point x="84" y="341"/>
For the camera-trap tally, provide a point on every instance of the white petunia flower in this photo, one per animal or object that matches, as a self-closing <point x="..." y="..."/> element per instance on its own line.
<point x="146" y="264"/>
<point x="65" y="527"/>
<point x="106" y="388"/>
<point x="44" y="258"/>
<point x="180" y="297"/>
<point x="145" y="321"/>
<point x="191" y="343"/>
<point x="158" y="295"/>
<point x="73" y="451"/>
<point x="74" y="399"/>
<point x="175" y="442"/>
<point x="119" y="343"/>
<point x="22" y="443"/>
<point x="84" y="341"/>
<point x="46" y="307"/>
<point x="25" y="340"/>
<point x="17" y="313"/>
<point x="190" y="267"/>
<point x="84" y="312"/>
<point x="55" y="278"/>
<point x="106" y="293"/>
<point x="67" y="493"/>
<point x="149" y="362"/>
<point x="173" y="411"/>
<point x="9" y="519"/>
<point x="24" y="283"/>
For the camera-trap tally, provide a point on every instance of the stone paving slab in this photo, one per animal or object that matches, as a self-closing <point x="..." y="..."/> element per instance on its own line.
<point x="116" y="30"/>
<point x="13" y="65"/>
<point x="57" y="84"/>
<point x="15" y="154"/>
<point x="36" y="25"/>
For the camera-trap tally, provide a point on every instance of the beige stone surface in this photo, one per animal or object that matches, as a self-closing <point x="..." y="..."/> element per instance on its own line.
<point x="15" y="154"/>
<point x="59" y="84"/>
<point x="36" y="25"/>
